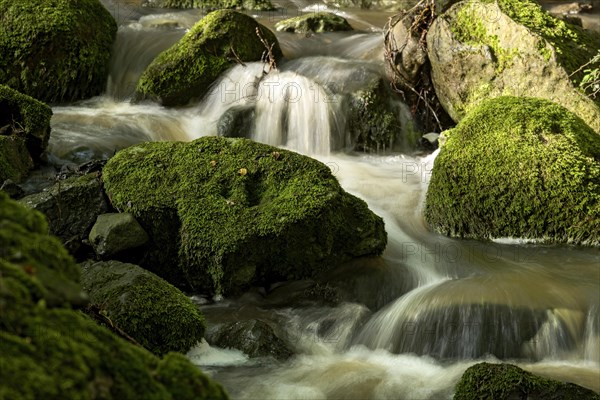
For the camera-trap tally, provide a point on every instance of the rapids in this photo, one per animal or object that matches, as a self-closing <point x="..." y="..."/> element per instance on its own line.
<point x="447" y="304"/>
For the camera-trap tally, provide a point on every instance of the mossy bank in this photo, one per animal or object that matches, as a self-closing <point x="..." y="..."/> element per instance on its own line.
<point x="518" y="167"/>
<point x="226" y="213"/>
<point x="51" y="350"/>
<point x="218" y="41"/>
<point x="256" y="5"/>
<point x="56" y="50"/>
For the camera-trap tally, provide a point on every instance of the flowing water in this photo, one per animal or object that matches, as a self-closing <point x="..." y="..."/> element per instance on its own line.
<point x="444" y="304"/>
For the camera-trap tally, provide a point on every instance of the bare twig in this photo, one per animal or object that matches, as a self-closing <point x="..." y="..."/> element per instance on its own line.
<point x="268" y="58"/>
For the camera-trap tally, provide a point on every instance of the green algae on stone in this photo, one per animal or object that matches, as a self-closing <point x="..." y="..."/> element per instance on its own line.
<point x="186" y="70"/>
<point x="233" y="212"/>
<point x="50" y="351"/>
<point x="316" y="22"/>
<point x="518" y="167"/>
<point x="55" y="50"/>
<point x="256" y="5"/>
<point x="506" y="381"/>
<point x="152" y="311"/>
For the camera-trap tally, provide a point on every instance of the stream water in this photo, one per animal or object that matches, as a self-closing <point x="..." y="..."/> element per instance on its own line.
<point x="445" y="305"/>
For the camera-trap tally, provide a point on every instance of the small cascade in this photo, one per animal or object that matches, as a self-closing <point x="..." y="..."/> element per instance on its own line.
<point x="591" y="336"/>
<point x="292" y="111"/>
<point x="135" y="47"/>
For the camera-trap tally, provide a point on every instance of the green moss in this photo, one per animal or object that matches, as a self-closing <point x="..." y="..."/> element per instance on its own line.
<point x="469" y="28"/>
<point x="60" y="353"/>
<point x="244" y="212"/>
<point x="55" y="50"/>
<point x="573" y="45"/>
<point x="257" y="5"/>
<point x="314" y="22"/>
<point x="506" y="381"/>
<point x="374" y="123"/>
<point x="518" y="167"/>
<point x="149" y="309"/>
<point x="186" y="70"/>
<point x="15" y="161"/>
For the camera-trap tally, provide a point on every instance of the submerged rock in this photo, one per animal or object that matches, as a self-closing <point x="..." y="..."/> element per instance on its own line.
<point x="223" y="214"/>
<point x="116" y="232"/>
<point x="149" y="309"/>
<point x="24" y="133"/>
<point x="506" y="381"/>
<point x="71" y="207"/>
<point x="518" y="167"/>
<point x="218" y="41"/>
<point x="480" y="49"/>
<point x="236" y="122"/>
<point x="44" y="341"/>
<point x="55" y="51"/>
<point x="253" y="337"/>
<point x="317" y="22"/>
<point x="257" y="5"/>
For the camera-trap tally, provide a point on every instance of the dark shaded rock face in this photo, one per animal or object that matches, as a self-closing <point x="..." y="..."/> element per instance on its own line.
<point x="71" y="207"/>
<point x="253" y="337"/>
<point x="24" y="133"/>
<point x="508" y="382"/>
<point x="146" y="307"/>
<point x="236" y="122"/>
<point x="114" y="233"/>
<point x="55" y="51"/>
<point x="223" y="214"/>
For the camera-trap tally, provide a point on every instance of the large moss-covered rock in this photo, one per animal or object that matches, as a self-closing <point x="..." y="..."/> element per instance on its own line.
<point x="518" y="167"/>
<point x="146" y="307"/>
<point x="24" y="133"/>
<point x="314" y="22"/>
<point x="50" y="351"/>
<point x="506" y="381"/>
<point x="55" y="50"/>
<point x="225" y="213"/>
<point x="482" y="48"/>
<point x="257" y="5"/>
<point x="216" y="42"/>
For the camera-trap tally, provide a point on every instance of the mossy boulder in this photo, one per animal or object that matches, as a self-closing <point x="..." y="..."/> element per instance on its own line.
<point x="186" y="70"/>
<point x="506" y="381"/>
<point x="480" y="49"/>
<point x="51" y="351"/>
<point x="518" y="167"/>
<point x="148" y="308"/>
<point x="256" y="5"/>
<point x="314" y="22"/>
<point x="55" y="50"/>
<point x="226" y="213"/>
<point x="24" y="133"/>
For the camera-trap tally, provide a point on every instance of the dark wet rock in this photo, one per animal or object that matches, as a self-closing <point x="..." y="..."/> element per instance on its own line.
<point x="253" y="337"/>
<point x="13" y="190"/>
<point x="71" y="207"/>
<point x="236" y="122"/>
<point x="116" y="232"/>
